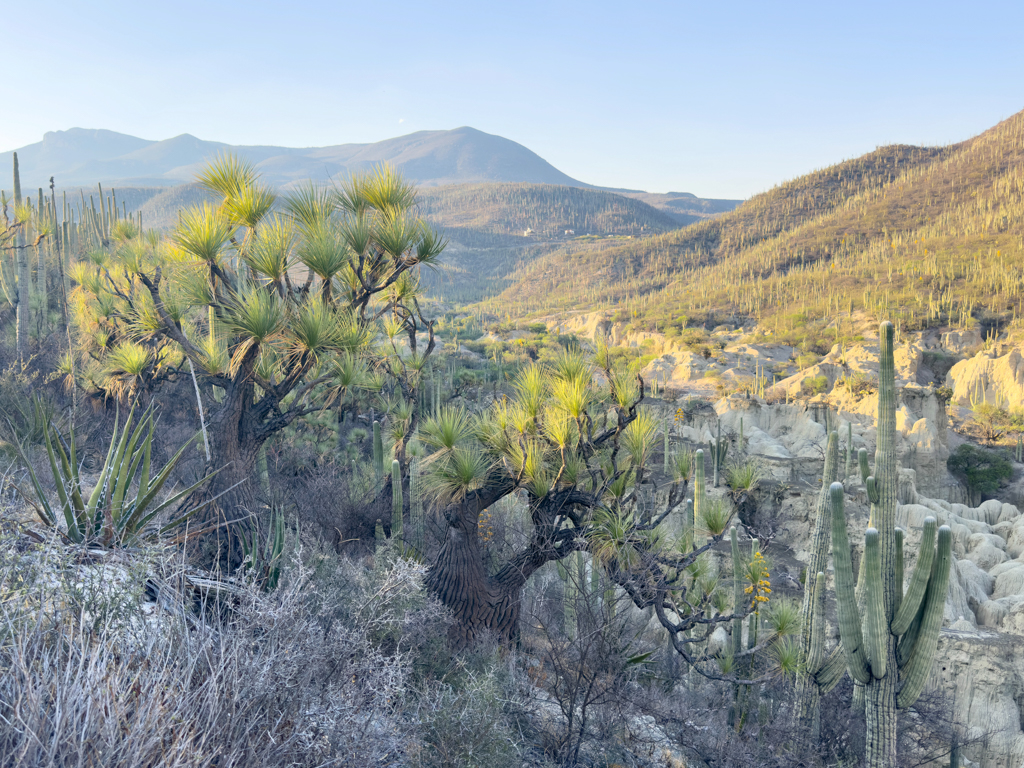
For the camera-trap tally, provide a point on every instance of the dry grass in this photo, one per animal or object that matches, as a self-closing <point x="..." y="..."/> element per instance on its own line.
<point x="337" y="667"/>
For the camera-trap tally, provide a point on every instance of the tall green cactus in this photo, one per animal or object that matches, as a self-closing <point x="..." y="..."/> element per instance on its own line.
<point x="686" y="535"/>
<point x="816" y="678"/>
<point x="849" y="451"/>
<point x="737" y="593"/>
<point x="21" y="261"/>
<point x="416" y="516"/>
<point x="737" y="623"/>
<point x="700" y="499"/>
<point x="378" y="450"/>
<point x="575" y="586"/>
<point x="893" y="661"/>
<point x="17" y="181"/>
<point x="665" y="453"/>
<point x="397" y="502"/>
<point x="718" y="448"/>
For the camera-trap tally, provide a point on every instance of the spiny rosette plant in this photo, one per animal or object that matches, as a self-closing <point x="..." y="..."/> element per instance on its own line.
<point x="123" y="508"/>
<point x="577" y="448"/>
<point x="275" y="307"/>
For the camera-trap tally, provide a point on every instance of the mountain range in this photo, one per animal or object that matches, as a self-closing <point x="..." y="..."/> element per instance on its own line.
<point x="83" y="157"/>
<point x="924" y="236"/>
<point x="80" y="157"/>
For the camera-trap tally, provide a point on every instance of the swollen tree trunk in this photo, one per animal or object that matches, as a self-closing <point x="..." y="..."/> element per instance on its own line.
<point x="235" y="439"/>
<point x="459" y="577"/>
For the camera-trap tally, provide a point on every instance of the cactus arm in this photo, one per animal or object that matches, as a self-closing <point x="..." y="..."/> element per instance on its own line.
<point x="918" y="582"/>
<point x="872" y="488"/>
<point x="832" y="670"/>
<point x="875" y="604"/>
<point x="915" y="673"/>
<point x="846" y="600"/>
<point x="908" y="639"/>
<point x="862" y="461"/>
<point x="898" y="570"/>
<point x="816" y="654"/>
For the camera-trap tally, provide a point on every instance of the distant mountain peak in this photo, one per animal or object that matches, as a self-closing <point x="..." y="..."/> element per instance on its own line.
<point x="85" y="156"/>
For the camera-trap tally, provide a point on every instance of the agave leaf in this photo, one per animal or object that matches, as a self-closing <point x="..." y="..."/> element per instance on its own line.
<point x="146" y="463"/>
<point x="128" y="465"/>
<point x="118" y="467"/>
<point x="103" y="479"/>
<point x="62" y="478"/>
<point x="158" y="482"/>
<point x="640" y="658"/>
<point x="70" y="467"/>
<point x="44" y="506"/>
<point x="139" y="524"/>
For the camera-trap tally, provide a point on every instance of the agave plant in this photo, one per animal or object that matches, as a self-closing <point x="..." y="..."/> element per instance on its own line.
<point x="263" y="551"/>
<point x="121" y="508"/>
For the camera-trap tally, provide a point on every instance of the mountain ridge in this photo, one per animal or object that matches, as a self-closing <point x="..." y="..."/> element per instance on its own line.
<point x="83" y="157"/>
<point x="920" y="235"/>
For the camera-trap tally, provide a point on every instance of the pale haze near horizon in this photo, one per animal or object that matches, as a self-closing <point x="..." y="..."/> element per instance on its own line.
<point x="718" y="101"/>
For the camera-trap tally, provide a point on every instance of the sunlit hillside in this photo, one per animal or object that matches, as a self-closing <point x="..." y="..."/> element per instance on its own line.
<point x="922" y="235"/>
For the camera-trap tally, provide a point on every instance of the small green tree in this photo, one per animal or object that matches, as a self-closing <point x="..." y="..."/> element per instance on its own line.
<point x="271" y="302"/>
<point x="982" y="471"/>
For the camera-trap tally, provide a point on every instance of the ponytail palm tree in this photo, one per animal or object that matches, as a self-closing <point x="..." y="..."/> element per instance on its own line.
<point x="577" y="452"/>
<point x="272" y="308"/>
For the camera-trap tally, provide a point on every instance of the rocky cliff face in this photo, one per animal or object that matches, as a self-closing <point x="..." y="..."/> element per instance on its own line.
<point x="980" y="663"/>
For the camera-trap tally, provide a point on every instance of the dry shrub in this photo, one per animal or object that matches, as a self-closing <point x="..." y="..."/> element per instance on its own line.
<point x="321" y="671"/>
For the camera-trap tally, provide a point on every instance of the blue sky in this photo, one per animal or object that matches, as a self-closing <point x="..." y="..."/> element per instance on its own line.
<point x="722" y="100"/>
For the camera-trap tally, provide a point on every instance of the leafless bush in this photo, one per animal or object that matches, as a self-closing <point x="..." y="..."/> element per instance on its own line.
<point x="589" y="654"/>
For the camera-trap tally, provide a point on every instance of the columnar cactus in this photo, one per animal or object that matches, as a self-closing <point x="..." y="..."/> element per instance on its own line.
<point x="719" y="448"/>
<point x="575" y="586"/>
<point x="809" y="685"/>
<point x="21" y="260"/>
<point x="849" y="450"/>
<point x="397" y="502"/>
<point x="737" y="594"/>
<point x="686" y="534"/>
<point x="416" y="517"/>
<point x="737" y="623"/>
<point x="378" y="450"/>
<point x="700" y="499"/>
<point x="893" y="661"/>
<point x="666" y="426"/>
